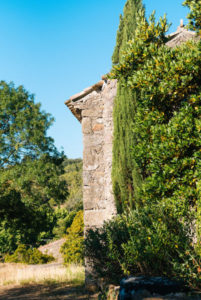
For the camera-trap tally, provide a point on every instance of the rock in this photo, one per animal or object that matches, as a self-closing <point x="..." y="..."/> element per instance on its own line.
<point x="136" y="287"/>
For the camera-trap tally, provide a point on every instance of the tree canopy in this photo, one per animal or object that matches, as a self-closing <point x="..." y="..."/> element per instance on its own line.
<point x="30" y="168"/>
<point x="23" y="126"/>
<point x="195" y="14"/>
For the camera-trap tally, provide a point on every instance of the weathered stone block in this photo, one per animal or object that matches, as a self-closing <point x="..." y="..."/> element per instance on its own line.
<point x="94" y="204"/>
<point x="92" y="113"/>
<point x="95" y="218"/>
<point x="86" y="126"/>
<point x="98" y="127"/>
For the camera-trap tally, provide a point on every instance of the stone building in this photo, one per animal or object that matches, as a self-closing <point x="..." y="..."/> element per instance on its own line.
<point x="93" y="107"/>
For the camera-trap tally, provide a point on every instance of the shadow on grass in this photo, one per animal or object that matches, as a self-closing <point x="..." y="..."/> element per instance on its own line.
<point x="46" y="292"/>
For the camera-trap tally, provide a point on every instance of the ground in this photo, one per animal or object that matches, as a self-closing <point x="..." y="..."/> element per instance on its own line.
<point x="47" y="282"/>
<point x="45" y="292"/>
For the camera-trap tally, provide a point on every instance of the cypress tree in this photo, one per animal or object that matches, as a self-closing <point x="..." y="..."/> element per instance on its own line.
<point x="126" y="180"/>
<point x="127" y="26"/>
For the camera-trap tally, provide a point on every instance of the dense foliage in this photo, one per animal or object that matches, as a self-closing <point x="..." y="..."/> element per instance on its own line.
<point x="54" y="221"/>
<point x="124" y="172"/>
<point x="73" y="248"/>
<point x="146" y="241"/>
<point x="159" y="232"/>
<point x="73" y="203"/>
<point x="167" y="118"/>
<point x="63" y="220"/>
<point x="73" y="178"/>
<point x="30" y="170"/>
<point x="30" y="256"/>
<point x="127" y="28"/>
<point x="195" y="14"/>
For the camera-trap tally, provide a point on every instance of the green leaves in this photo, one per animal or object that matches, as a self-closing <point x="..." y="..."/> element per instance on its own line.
<point x="73" y="247"/>
<point x="157" y="147"/>
<point x="146" y="40"/>
<point x="28" y="256"/>
<point x="165" y="125"/>
<point x="23" y="126"/>
<point x="30" y="169"/>
<point x="149" y="241"/>
<point x="127" y="27"/>
<point x="195" y="14"/>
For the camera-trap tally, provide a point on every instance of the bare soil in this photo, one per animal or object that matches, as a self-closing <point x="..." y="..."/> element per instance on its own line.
<point x="45" y="292"/>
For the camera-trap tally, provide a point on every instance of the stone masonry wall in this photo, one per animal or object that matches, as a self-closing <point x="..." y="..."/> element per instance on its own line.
<point x="94" y="110"/>
<point x="108" y="95"/>
<point x="95" y="113"/>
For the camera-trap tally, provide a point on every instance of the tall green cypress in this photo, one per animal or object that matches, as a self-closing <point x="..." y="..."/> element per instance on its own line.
<point x="126" y="180"/>
<point x="127" y="26"/>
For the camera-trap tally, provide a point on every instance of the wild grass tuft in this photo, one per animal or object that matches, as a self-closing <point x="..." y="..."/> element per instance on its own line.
<point x="40" y="274"/>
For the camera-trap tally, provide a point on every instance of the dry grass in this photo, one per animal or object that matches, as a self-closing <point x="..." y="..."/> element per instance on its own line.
<point x="51" y="273"/>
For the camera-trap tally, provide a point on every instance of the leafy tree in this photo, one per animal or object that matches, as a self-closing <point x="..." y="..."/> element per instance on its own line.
<point x="195" y="14"/>
<point x="167" y="115"/>
<point x="64" y="215"/>
<point x="23" y="126"/>
<point x="30" y="168"/>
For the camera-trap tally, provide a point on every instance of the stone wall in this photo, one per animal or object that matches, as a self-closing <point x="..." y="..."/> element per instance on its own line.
<point x="93" y="108"/>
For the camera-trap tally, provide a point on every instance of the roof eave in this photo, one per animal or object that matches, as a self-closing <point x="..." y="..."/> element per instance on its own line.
<point x="69" y="103"/>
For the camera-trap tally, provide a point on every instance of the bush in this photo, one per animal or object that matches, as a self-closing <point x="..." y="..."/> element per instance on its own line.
<point x="64" y="219"/>
<point x="148" y="241"/>
<point x="73" y="248"/>
<point x="28" y="256"/>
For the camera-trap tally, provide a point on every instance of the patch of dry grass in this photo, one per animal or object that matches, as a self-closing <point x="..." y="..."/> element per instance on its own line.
<point x="50" y="273"/>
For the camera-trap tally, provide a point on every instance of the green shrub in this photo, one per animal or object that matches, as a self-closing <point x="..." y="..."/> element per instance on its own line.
<point x="73" y="248"/>
<point x="148" y="241"/>
<point x="64" y="219"/>
<point x="28" y="256"/>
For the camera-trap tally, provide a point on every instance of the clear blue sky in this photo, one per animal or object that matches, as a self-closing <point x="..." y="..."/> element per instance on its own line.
<point x="56" y="48"/>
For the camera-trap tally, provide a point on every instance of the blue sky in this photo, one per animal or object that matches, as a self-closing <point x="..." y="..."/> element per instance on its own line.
<point x="56" y="48"/>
